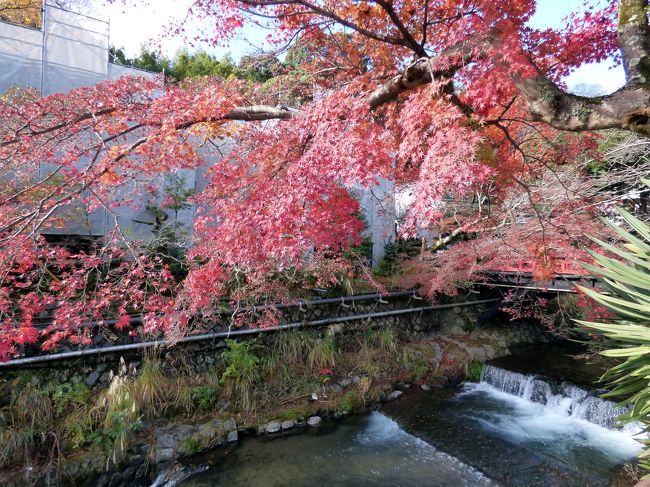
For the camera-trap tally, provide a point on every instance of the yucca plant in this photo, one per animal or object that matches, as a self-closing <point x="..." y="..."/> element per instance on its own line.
<point x="626" y="277"/>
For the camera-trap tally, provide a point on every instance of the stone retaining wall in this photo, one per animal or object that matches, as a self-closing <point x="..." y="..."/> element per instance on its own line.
<point x="97" y="370"/>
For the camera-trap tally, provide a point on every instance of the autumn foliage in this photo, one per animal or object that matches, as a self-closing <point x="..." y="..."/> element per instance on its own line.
<point x="25" y="12"/>
<point x="443" y="97"/>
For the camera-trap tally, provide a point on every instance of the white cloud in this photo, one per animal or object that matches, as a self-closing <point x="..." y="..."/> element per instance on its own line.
<point x="134" y="24"/>
<point x="604" y="74"/>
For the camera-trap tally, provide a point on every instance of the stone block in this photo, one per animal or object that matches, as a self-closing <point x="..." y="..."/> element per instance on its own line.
<point x="314" y="421"/>
<point x="92" y="378"/>
<point x="394" y="395"/>
<point x="273" y="427"/>
<point x="345" y="383"/>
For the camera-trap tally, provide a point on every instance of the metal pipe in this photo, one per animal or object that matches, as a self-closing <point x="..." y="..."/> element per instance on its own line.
<point x="234" y="333"/>
<point x="43" y="53"/>
<point x="315" y="302"/>
<point x="338" y="299"/>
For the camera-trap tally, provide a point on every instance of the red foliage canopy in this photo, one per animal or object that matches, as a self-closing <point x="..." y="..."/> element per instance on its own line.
<point x="460" y="101"/>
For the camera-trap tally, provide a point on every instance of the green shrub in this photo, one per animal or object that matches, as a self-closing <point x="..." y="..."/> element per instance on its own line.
<point x="204" y="397"/>
<point x="66" y="396"/>
<point x="349" y="402"/>
<point x="475" y="371"/>
<point x="394" y="251"/>
<point x="242" y="371"/>
<point x="191" y="445"/>
<point x="416" y="361"/>
<point x="295" y="413"/>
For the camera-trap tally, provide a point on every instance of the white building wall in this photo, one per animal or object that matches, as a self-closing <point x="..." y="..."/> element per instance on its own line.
<point x="70" y="51"/>
<point x="378" y="207"/>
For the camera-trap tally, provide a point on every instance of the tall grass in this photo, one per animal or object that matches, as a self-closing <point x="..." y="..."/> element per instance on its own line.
<point x="151" y="388"/>
<point x="323" y="353"/>
<point x="383" y="338"/>
<point x="294" y="345"/>
<point x="119" y="413"/>
<point x="417" y="359"/>
<point x="25" y="424"/>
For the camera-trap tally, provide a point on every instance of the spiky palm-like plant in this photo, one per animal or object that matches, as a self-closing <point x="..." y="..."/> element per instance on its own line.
<point x="626" y="277"/>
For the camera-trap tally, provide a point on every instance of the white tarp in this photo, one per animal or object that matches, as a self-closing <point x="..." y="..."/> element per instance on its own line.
<point x="76" y="50"/>
<point x="116" y="71"/>
<point x="378" y="207"/>
<point x="20" y="57"/>
<point x="70" y="51"/>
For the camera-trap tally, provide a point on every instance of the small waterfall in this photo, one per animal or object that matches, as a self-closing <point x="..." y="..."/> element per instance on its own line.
<point x="562" y="398"/>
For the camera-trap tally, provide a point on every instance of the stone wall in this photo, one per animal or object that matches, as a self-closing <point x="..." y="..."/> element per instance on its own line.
<point x="97" y="370"/>
<point x="462" y="321"/>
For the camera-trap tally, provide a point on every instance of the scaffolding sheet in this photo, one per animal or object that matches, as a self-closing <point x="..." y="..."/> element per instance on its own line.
<point x="71" y="51"/>
<point x="20" y="57"/>
<point x="76" y="50"/>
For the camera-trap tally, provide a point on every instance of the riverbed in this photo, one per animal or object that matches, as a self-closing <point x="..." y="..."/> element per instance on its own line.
<point x="514" y="428"/>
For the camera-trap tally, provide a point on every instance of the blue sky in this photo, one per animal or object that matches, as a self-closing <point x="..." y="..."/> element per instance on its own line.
<point x="133" y="26"/>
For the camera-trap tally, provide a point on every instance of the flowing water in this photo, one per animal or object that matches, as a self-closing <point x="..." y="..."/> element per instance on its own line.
<point x="564" y="400"/>
<point x="512" y="429"/>
<point x="363" y="451"/>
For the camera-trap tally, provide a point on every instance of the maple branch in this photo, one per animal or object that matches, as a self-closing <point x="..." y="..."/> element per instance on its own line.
<point x="28" y="130"/>
<point x="627" y="108"/>
<point x="416" y="74"/>
<point x="408" y="38"/>
<point x="330" y="15"/>
<point x="261" y="112"/>
<point x="546" y="101"/>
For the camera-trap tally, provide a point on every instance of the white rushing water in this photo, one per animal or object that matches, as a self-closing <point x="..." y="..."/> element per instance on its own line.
<point x="382" y="432"/>
<point x="560" y="417"/>
<point x="511" y="429"/>
<point x="564" y="399"/>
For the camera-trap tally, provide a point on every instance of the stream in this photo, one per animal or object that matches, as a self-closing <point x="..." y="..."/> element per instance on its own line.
<point x="514" y="428"/>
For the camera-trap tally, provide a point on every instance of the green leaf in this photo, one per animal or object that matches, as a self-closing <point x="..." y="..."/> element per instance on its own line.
<point x="626" y="352"/>
<point x="637" y="224"/>
<point x="621" y="306"/>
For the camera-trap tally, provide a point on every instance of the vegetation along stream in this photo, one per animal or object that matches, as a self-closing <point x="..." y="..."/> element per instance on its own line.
<point x="513" y="428"/>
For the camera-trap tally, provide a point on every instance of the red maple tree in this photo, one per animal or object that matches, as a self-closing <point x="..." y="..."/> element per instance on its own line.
<point x="461" y="101"/>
